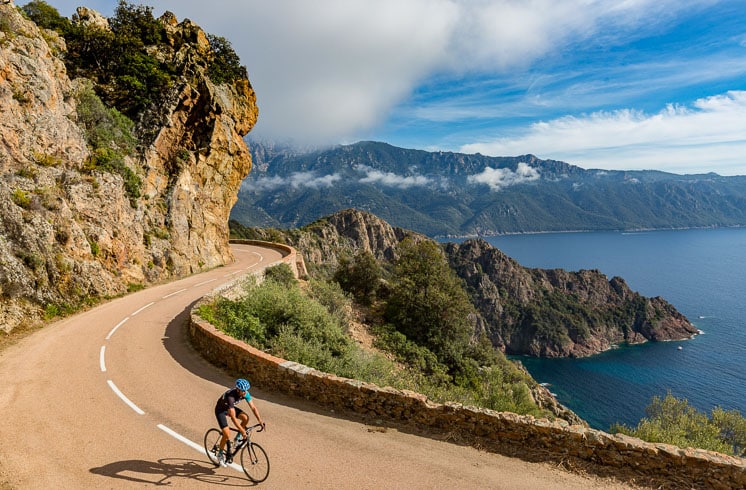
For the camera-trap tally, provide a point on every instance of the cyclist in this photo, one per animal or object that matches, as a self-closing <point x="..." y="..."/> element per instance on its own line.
<point x="226" y="408"/>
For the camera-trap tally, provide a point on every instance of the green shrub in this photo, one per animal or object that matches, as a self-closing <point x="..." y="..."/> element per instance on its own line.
<point x="428" y="303"/>
<point x="673" y="421"/>
<point x="281" y="273"/>
<point x="417" y="357"/>
<point x="27" y="173"/>
<point x="306" y="328"/>
<point x="732" y="427"/>
<point x="225" y="66"/>
<point x="46" y="16"/>
<point x="21" y="198"/>
<point x="360" y="276"/>
<point x="95" y="247"/>
<point x="331" y="296"/>
<point x="104" y="127"/>
<point x="51" y="311"/>
<point x="127" y="76"/>
<point x="110" y="137"/>
<point x="47" y="160"/>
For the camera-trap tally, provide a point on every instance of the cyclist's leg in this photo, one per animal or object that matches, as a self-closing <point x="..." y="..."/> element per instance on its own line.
<point x="243" y="417"/>
<point x="223" y="424"/>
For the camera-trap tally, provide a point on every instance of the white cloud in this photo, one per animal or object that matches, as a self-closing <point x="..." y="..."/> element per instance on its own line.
<point x="296" y="180"/>
<point x="499" y="178"/>
<point x="328" y="69"/>
<point x="710" y="133"/>
<point x="391" y="179"/>
<point x="331" y="70"/>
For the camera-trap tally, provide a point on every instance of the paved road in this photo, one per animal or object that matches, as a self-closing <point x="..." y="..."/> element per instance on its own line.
<point x="115" y="397"/>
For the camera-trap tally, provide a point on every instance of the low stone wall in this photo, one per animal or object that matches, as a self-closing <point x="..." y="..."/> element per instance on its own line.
<point x="624" y="457"/>
<point x="290" y="256"/>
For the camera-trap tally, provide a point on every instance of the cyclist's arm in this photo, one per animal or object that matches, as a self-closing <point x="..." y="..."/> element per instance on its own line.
<point x="256" y="413"/>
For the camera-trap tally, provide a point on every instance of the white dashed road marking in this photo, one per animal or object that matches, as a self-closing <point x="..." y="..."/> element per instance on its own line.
<point x="101" y="359"/>
<point x="191" y="444"/>
<point x="174" y="293"/>
<point x="146" y="306"/>
<point x="124" y="398"/>
<point x="115" y="328"/>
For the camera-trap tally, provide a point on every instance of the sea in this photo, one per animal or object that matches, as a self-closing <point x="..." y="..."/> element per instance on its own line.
<point x="701" y="272"/>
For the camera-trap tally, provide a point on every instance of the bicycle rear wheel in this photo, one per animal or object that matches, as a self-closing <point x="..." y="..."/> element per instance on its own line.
<point x="255" y="462"/>
<point x="212" y="445"/>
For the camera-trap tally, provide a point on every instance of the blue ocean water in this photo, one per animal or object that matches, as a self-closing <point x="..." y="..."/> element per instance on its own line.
<point x="701" y="272"/>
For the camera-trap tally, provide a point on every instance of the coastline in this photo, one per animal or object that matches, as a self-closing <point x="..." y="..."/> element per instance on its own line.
<point x="492" y="234"/>
<point x="691" y="269"/>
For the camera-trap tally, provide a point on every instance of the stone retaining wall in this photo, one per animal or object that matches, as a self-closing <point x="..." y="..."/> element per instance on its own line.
<point x="506" y="433"/>
<point x="290" y="256"/>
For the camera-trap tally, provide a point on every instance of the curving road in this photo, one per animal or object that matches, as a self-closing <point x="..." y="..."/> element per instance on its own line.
<point x="115" y="397"/>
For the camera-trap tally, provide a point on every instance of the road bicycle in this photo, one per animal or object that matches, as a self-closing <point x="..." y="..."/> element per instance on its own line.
<point x="254" y="459"/>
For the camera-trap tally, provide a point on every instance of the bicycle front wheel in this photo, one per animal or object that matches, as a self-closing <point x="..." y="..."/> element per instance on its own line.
<point x="255" y="462"/>
<point x="212" y="445"/>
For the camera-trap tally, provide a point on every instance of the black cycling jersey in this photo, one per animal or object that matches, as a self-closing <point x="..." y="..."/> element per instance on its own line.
<point x="229" y="399"/>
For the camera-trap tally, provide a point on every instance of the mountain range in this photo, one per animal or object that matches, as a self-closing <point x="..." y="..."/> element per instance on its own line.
<point x="455" y="194"/>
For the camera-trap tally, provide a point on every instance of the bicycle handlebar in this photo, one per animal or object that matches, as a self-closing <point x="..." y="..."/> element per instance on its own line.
<point x="257" y="427"/>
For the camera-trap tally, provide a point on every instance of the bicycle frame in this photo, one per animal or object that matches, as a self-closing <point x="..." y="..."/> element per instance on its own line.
<point x="231" y="449"/>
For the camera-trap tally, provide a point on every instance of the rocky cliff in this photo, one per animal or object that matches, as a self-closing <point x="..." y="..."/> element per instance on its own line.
<point x="556" y="313"/>
<point x="71" y="230"/>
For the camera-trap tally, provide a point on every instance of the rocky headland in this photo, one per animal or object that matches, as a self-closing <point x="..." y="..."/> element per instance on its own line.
<point x="558" y="313"/>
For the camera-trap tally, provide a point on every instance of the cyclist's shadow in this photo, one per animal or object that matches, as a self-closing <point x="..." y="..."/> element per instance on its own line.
<point x="139" y="471"/>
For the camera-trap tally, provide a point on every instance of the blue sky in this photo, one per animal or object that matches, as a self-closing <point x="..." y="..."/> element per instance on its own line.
<point x="635" y="84"/>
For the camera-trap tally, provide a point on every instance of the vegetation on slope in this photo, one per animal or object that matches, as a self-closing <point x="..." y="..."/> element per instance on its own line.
<point x="438" y="359"/>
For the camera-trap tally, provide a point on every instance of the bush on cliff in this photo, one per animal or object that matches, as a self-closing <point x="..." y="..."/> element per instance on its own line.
<point x="225" y="67"/>
<point x="126" y="75"/>
<point x="360" y="275"/>
<point x="109" y="135"/>
<point x="429" y="306"/>
<point x="673" y="421"/>
<point x="46" y="16"/>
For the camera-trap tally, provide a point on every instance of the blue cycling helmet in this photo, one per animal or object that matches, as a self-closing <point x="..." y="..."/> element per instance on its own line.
<point x="242" y="384"/>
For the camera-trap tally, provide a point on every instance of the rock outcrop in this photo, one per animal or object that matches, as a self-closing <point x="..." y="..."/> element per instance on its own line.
<point x="69" y="233"/>
<point x="556" y="313"/>
<point x="322" y="242"/>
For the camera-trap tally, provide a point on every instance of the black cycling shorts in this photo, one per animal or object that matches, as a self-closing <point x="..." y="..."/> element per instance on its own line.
<point x="223" y="416"/>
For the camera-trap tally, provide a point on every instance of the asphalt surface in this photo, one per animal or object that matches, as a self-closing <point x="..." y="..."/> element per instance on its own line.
<point x="115" y="397"/>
